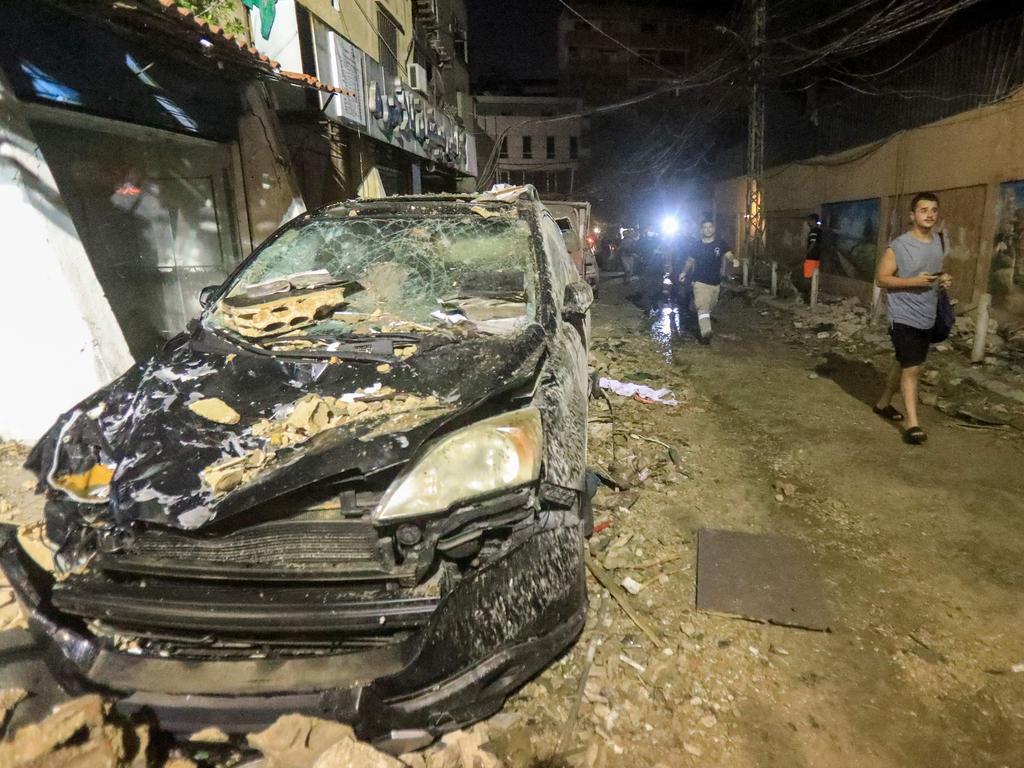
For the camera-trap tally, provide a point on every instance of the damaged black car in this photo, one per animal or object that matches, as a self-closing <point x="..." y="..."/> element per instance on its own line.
<point x="354" y="488"/>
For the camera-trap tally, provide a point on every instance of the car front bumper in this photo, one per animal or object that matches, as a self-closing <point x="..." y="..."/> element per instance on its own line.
<point x="498" y="628"/>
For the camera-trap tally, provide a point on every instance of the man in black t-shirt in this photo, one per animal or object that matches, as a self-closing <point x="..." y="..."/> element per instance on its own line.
<point x="705" y="268"/>
<point x="812" y="255"/>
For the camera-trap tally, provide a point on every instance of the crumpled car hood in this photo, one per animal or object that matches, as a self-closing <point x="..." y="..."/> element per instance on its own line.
<point x="159" y="447"/>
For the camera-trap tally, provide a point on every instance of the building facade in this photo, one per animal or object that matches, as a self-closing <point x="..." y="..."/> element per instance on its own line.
<point x="126" y="187"/>
<point x="392" y="124"/>
<point x="592" y="67"/>
<point x="862" y="197"/>
<point x="532" y="146"/>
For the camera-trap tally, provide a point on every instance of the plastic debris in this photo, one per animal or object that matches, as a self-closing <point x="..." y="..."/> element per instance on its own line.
<point x="639" y="391"/>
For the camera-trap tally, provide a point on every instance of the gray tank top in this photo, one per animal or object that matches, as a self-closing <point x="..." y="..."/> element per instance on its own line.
<point x="915" y="307"/>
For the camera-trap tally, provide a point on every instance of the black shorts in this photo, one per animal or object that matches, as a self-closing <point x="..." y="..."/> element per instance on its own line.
<point x="911" y="344"/>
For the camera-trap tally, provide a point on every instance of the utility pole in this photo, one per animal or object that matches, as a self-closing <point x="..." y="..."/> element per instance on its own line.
<point x="754" y="214"/>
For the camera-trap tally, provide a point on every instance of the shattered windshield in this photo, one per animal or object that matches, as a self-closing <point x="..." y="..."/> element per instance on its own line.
<point x="363" y="273"/>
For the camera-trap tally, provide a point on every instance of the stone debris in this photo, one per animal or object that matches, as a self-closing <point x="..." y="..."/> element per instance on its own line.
<point x="631" y="585"/>
<point x="211" y="735"/>
<point x="261" y="318"/>
<point x="11" y="615"/>
<point x="82" y="733"/>
<point x="299" y="741"/>
<point x="32" y="538"/>
<point x="461" y="749"/>
<point x="313" y="414"/>
<point x="215" y="409"/>
<point x="9" y="699"/>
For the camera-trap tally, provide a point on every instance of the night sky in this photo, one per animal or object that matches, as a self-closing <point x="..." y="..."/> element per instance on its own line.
<point x="514" y="39"/>
<point x="518" y="39"/>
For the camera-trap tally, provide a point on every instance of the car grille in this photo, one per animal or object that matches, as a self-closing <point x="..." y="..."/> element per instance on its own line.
<point x="298" y="585"/>
<point x="337" y="550"/>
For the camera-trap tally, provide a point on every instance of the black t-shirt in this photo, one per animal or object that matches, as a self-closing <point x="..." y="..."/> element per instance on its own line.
<point x="814" y="244"/>
<point x="707" y="261"/>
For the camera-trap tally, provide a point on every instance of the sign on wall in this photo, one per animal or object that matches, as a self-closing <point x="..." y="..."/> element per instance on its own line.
<point x="348" y="69"/>
<point x="339" y="63"/>
<point x="850" y="238"/>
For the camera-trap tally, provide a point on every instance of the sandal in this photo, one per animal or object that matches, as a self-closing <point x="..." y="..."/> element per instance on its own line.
<point x="888" y="412"/>
<point x="915" y="435"/>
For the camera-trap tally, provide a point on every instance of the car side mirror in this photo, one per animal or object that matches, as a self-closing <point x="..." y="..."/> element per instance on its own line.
<point x="206" y="295"/>
<point x="578" y="298"/>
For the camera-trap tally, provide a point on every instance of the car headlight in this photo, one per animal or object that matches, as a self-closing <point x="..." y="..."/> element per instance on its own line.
<point x="494" y="454"/>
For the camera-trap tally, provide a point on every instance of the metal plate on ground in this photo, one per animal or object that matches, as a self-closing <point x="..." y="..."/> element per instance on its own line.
<point x="761" y="577"/>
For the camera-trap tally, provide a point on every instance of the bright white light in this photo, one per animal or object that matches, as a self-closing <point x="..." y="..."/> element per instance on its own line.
<point x="669" y="225"/>
<point x="597" y="230"/>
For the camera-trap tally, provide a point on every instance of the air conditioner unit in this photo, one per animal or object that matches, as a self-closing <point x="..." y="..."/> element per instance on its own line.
<point x="418" y="78"/>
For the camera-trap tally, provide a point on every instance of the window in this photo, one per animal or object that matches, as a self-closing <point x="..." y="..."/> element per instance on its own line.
<point x="387" y="35"/>
<point x="574" y="147"/>
<point x="550" y="147"/>
<point x="503" y="152"/>
<point x="460" y="42"/>
<point x="674" y="58"/>
<point x="527" y="148"/>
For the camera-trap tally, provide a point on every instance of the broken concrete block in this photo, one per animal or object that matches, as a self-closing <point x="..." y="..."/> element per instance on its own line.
<point x="297" y="741"/>
<point x="260" y="318"/>
<point x="215" y="409"/>
<point x="349" y="752"/>
<point x="311" y="414"/>
<point x="631" y="585"/>
<point x="211" y="735"/>
<point x="79" y="734"/>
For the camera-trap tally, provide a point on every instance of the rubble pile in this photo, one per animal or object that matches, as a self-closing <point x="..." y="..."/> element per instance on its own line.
<point x="989" y="395"/>
<point x="82" y="733"/>
<point x="313" y="414"/>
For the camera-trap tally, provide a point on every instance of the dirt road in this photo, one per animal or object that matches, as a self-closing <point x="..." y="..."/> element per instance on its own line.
<point x="920" y="552"/>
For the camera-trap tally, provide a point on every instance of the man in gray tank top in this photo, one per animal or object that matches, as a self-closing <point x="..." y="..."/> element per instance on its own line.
<point x="911" y="273"/>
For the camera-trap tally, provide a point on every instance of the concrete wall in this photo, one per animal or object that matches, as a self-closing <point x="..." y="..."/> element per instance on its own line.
<point x="58" y="337"/>
<point x="356" y="20"/>
<point x="963" y="158"/>
<point x="270" y="189"/>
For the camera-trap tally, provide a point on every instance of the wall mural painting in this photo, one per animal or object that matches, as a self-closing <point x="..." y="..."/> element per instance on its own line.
<point x="850" y="238"/>
<point x="1006" y="278"/>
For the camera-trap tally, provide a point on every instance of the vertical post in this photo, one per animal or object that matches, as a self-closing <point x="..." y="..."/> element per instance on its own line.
<point x="775" y="279"/>
<point x="814" y="288"/>
<point x="981" y="329"/>
<point x="746" y="273"/>
<point x="876" y="304"/>
<point x="754" y="232"/>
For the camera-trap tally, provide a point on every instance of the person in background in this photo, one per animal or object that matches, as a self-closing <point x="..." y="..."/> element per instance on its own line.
<point x="812" y="253"/>
<point x="705" y="268"/>
<point x="911" y="273"/>
<point x="628" y="254"/>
